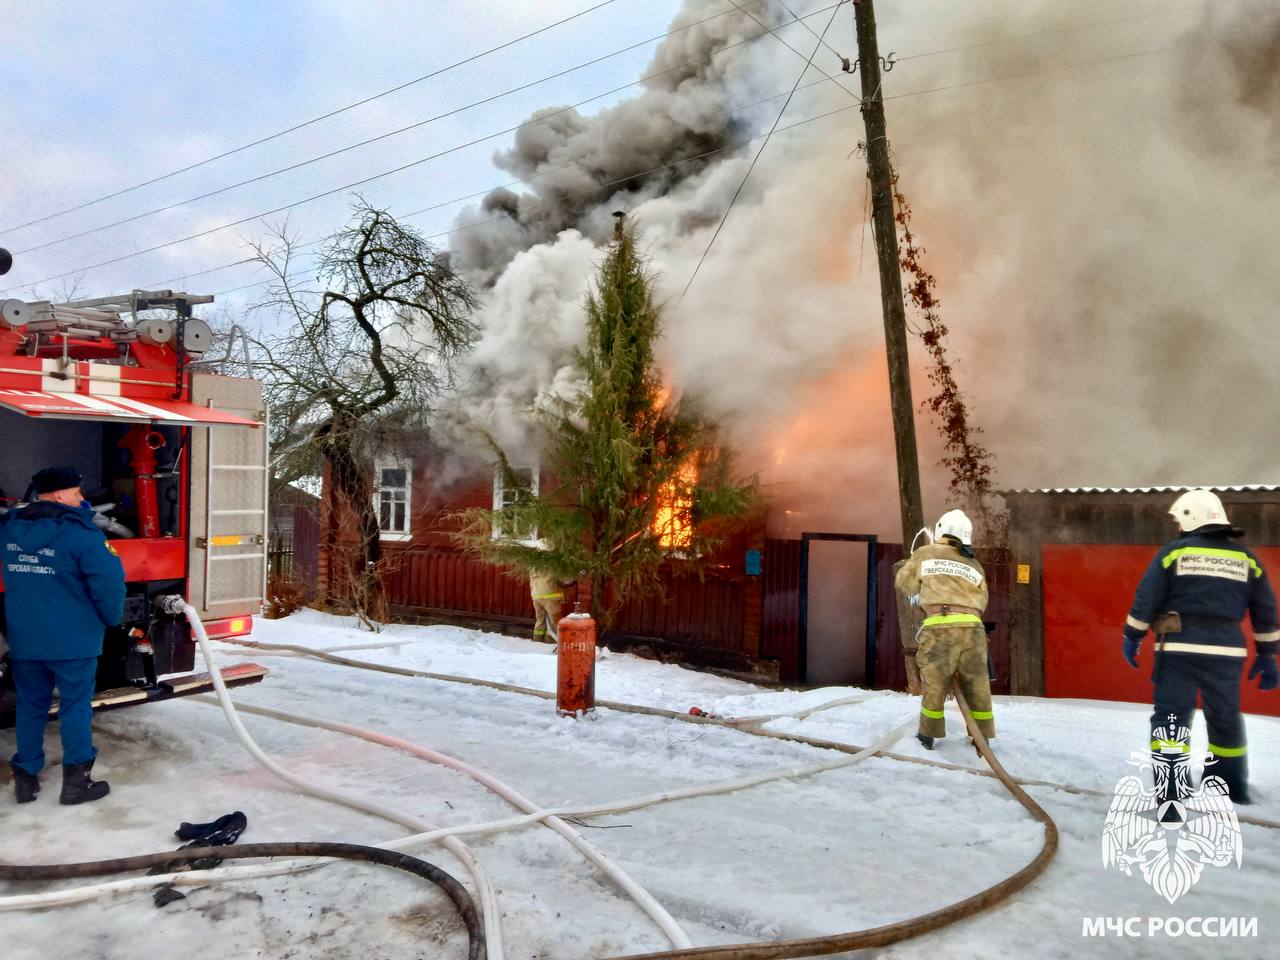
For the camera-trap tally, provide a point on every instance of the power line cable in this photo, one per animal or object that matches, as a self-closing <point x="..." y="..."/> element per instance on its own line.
<point x="1131" y="55"/>
<point x="544" y="118"/>
<point x="383" y="136"/>
<point x="314" y="120"/>
<point x="839" y="56"/>
<point x="801" y="20"/>
<point x="765" y="136"/>
<point x="796" y="19"/>
<point x="745" y="176"/>
<point x="930" y="90"/>
<point x="518" y="181"/>
<point x="782" y="41"/>
<point x="617" y="180"/>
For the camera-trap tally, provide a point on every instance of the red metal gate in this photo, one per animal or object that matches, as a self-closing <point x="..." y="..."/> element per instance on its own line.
<point x="1087" y="593"/>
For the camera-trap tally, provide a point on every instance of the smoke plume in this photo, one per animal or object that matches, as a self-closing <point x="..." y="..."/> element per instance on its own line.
<point x="1095" y="186"/>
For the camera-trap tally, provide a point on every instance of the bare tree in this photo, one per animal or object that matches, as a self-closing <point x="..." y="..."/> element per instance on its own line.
<point x="368" y="348"/>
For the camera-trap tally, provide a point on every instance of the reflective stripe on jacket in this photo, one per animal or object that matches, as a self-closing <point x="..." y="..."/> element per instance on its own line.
<point x="543" y="586"/>
<point x="943" y="576"/>
<point x="1211" y="581"/>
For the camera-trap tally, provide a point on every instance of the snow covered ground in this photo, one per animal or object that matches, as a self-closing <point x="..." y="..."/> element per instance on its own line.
<point x="853" y="848"/>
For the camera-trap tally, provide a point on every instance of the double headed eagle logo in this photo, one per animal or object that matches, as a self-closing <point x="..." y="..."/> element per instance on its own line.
<point x="1171" y="831"/>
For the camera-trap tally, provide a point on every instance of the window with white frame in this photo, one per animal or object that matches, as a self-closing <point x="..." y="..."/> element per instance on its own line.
<point x="393" y="499"/>
<point x="515" y="485"/>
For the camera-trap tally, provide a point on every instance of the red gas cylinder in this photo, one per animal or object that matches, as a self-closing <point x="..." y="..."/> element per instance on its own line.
<point x="576" y="664"/>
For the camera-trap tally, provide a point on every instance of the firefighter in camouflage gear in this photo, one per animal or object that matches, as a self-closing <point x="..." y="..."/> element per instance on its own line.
<point x="547" y="595"/>
<point x="951" y="589"/>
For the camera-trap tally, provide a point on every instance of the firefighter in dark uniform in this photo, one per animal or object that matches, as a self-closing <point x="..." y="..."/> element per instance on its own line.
<point x="64" y="585"/>
<point x="1195" y="593"/>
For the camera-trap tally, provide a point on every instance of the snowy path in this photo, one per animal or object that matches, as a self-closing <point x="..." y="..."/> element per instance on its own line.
<point x="852" y="848"/>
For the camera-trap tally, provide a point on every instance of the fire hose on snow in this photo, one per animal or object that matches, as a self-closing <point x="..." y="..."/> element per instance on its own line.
<point x="751" y="725"/>
<point x="878" y="936"/>
<point x="489" y="942"/>
<point x="454" y="890"/>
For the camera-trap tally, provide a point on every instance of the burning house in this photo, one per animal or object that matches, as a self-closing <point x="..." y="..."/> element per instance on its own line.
<point x="1079" y="350"/>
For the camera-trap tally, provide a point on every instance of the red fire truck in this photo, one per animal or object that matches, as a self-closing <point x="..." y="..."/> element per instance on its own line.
<point x="174" y="459"/>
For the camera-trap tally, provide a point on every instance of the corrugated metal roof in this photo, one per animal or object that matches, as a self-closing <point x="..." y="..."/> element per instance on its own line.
<point x="1228" y="488"/>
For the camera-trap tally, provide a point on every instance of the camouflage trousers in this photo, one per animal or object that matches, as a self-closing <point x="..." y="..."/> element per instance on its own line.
<point x="546" y="612"/>
<point x="954" y="654"/>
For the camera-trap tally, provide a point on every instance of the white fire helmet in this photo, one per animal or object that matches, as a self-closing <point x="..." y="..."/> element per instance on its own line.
<point x="954" y="523"/>
<point x="1196" y="508"/>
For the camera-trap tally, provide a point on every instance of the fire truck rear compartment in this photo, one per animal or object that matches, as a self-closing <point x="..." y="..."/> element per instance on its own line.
<point x="149" y="644"/>
<point x="94" y="449"/>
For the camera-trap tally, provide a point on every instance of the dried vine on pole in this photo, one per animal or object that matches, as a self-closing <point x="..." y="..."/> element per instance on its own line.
<point x="971" y="465"/>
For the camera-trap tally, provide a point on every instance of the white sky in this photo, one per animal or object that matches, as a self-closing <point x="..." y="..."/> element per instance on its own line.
<point x="102" y="96"/>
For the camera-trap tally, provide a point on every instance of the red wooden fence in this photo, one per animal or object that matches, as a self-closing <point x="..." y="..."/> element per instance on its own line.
<point x="707" y="613"/>
<point x="450" y="581"/>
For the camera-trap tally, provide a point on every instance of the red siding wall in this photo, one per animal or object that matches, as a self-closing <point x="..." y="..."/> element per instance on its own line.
<point x="1087" y="594"/>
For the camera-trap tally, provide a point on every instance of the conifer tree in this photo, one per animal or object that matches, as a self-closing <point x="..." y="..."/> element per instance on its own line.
<point x="637" y="476"/>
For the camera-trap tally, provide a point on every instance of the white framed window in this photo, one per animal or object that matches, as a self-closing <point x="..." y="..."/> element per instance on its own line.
<point x="393" y="499"/>
<point x="511" y="487"/>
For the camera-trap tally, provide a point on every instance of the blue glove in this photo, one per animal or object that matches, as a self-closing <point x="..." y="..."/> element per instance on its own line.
<point x="1131" y="651"/>
<point x="1264" y="667"/>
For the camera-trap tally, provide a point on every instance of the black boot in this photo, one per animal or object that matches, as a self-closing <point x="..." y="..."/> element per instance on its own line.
<point x="77" y="787"/>
<point x="925" y="741"/>
<point x="25" y="786"/>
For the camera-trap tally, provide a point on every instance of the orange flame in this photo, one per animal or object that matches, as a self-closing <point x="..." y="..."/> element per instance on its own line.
<point x="673" y="519"/>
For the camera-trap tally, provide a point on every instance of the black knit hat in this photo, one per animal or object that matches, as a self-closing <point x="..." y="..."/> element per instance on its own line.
<point x="53" y="479"/>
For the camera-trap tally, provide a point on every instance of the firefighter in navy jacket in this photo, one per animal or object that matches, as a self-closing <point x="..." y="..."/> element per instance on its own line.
<point x="64" y="585"/>
<point x="1210" y="582"/>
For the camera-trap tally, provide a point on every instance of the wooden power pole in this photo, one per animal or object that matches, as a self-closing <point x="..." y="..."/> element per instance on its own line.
<point x="886" y="238"/>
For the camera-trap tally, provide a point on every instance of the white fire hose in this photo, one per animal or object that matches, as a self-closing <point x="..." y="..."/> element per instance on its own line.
<point x="486" y="895"/>
<point x="445" y="835"/>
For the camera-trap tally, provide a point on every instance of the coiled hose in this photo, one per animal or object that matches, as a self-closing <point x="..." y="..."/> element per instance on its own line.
<point x="454" y="890"/>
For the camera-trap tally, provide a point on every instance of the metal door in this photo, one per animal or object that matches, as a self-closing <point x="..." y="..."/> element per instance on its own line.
<point x="227" y="530"/>
<point x="837" y="609"/>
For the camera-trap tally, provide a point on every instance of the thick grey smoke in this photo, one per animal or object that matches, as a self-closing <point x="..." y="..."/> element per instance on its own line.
<point x="1101" y="217"/>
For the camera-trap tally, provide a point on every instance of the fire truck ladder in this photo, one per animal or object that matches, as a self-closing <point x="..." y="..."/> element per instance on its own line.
<point x="96" y="317"/>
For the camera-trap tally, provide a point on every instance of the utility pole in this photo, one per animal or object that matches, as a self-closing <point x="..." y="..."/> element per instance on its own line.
<point x="886" y="239"/>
